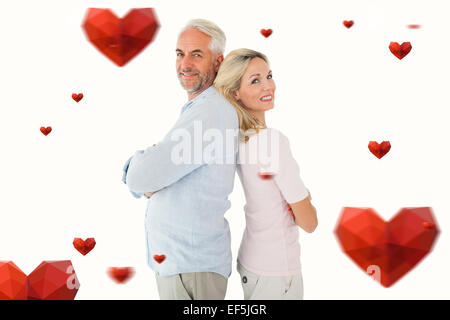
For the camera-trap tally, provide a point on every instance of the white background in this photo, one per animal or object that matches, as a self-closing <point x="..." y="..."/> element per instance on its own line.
<point x="337" y="89"/>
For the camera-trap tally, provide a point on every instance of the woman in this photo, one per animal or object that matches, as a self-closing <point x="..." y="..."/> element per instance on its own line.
<point x="277" y="201"/>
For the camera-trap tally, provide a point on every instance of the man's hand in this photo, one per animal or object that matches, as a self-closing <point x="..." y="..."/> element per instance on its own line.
<point x="148" y="194"/>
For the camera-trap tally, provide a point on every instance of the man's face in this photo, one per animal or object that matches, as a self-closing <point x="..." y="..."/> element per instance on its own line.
<point x="196" y="66"/>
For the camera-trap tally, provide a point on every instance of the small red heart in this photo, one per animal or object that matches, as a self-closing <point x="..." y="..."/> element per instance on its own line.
<point x="160" y="258"/>
<point x="348" y="23"/>
<point x="120" y="275"/>
<point x="266" y="175"/>
<point x="84" y="247"/>
<point x="379" y="150"/>
<point x="77" y="97"/>
<point x="400" y="51"/>
<point x="45" y="130"/>
<point x="266" y="32"/>
<point x="414" y="26"/>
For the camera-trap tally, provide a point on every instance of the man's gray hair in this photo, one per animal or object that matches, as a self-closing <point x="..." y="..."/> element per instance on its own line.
<point x="218" y="39"/>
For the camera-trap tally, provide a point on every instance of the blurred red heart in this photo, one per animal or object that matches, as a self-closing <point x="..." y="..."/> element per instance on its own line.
<point x="84" y="246"/>
<point x="120" y="275"/>
<point x="390" y="248"/>
<point x="379" y="149"/>
<point x="120" y="39"/>
<point x="348" y="24"/>
<point x="266" y="175"/>
<point x="45" y="130"/>
<point x="159" y="258"/>
<point x="266" y="32"/>
<point x="77" y="97"/>
<point x="400" y="51"/>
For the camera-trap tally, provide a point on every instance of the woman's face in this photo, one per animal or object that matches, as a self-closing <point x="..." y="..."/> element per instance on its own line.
<point x="257" y="87"/>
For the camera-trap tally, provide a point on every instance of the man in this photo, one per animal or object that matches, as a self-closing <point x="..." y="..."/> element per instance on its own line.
<point x="185" y="214"/>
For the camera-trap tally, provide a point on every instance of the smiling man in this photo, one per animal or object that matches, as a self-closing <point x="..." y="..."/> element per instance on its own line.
<point x="197" y="64"/>
<point x="187" y="201"/>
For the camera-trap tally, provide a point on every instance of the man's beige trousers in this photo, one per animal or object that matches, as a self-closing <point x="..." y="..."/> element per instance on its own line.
<point x="192" y="286"/>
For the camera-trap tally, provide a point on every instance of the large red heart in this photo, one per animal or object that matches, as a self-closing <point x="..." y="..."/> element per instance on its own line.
<point x="120" y="39"/>
<point x="51" y="280"/>
<point x="391" y="249"/>
<point x="84" y="246"/>
<point x="400" y="51"/>
<point x="379" y="149"/>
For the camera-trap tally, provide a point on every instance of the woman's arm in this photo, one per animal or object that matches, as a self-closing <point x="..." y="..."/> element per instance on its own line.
<point x="291" y="185"/>
<point x="305" y="214"/>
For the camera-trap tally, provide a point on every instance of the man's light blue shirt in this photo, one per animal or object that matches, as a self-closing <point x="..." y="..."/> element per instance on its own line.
<point x="185" y="218"/>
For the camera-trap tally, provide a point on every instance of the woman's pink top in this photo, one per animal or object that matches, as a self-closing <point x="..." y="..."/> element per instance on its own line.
<point x="270" y="243"/>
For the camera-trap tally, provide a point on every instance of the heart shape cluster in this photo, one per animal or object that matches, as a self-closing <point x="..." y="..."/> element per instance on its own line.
<point x="390" y="248"/>
<point x="51" y="280"/>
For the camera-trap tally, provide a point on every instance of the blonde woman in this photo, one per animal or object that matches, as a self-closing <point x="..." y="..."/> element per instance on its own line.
<point x="277" y="201"/>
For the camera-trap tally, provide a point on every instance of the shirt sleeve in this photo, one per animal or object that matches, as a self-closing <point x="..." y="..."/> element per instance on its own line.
<point x="124" y="179"/>
<point x="288" y="177"/>
<point x="178" y="154"/>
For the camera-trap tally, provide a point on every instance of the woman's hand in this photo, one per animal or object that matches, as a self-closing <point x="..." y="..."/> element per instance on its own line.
<point x="304" y="214"/>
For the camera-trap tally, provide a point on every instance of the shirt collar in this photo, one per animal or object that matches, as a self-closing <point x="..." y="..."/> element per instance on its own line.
<point x="204" y="93"/>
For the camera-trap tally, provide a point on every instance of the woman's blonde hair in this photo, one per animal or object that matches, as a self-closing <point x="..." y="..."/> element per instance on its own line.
<point x="228" y="80"/>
